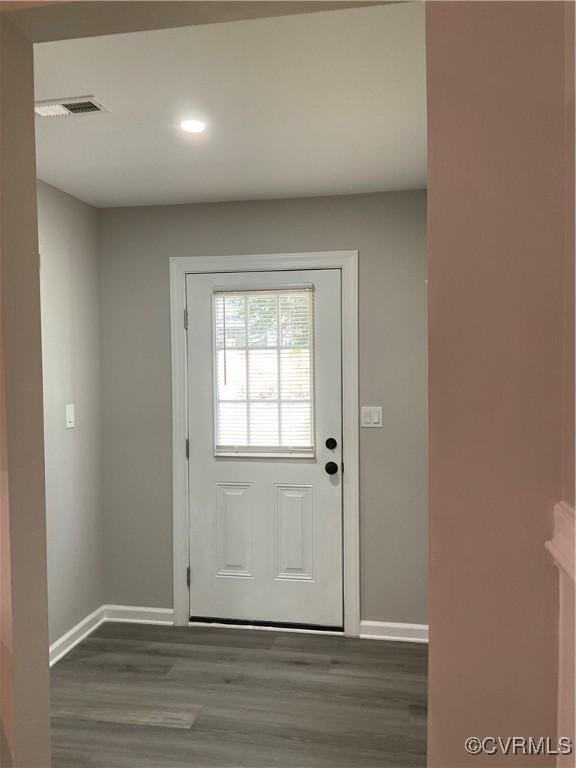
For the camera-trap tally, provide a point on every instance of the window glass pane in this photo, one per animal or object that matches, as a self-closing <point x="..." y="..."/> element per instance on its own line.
<point x="232" y="424"/>
<point x="262" y="321"/>
<point x="296" y="423"/>
<point x="264" y="424"/>
<point x="231" y="374"/>
<point x="263" y="374"/>
<point x="263" y="343"/>
<point x="295" y="374"/>
<point x="230" y="321"/>
<point x="295" y="320"/>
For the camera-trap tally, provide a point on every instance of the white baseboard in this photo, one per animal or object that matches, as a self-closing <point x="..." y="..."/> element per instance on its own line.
<point x="375" y="630"/>
<point x="138" y="614"/>
<point x="389" y="630"/>
<point x="125" y="613"/>
<point x="69" y="639"/>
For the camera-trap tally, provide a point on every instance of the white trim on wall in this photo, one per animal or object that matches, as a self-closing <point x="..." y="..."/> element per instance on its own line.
<point x="138" y="614"/>
<point x="347" y="262"/>
<point x="64" y="644"/>
<point x="135" y="614"/>
<point x="390" y="630"/>
<point x="125" y="613"/>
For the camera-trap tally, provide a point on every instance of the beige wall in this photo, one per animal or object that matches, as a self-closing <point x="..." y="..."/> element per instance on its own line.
<point x="24" y="623"/>
<point x="69" y="235"/>
<point x="389" y="231"/>
<point x="497" y="310"/>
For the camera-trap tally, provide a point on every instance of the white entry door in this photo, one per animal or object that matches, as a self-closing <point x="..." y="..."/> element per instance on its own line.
<point x="265" y="446"/>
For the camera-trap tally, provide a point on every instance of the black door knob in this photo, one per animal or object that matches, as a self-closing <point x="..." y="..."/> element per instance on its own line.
<point x="331" y="443"/>
<point x="331" y="468"/>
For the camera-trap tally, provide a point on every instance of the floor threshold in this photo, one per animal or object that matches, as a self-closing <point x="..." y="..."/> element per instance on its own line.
<point x="310" y="629"/>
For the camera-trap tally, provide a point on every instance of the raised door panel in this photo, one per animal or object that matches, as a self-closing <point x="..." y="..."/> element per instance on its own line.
<point x="233" y="530"/>
<point x="294" y="532"/>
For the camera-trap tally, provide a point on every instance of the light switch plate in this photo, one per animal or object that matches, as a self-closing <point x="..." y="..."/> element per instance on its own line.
<point x="371" y="416"/>
<point x="70" y="416"/>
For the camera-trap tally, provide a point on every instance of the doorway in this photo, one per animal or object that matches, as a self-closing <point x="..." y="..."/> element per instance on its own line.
<point x="265" y="380"/>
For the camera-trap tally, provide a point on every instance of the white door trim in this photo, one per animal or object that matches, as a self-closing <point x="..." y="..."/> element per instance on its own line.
<point x="347" y="262"/>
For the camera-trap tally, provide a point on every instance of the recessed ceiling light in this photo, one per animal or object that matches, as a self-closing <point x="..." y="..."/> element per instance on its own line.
<point x="192" y="126"/>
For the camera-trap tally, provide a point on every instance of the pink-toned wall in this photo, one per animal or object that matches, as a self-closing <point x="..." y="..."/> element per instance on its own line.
<point x="500" y="375"/>
<point x="6" y="661"/>
<point x="6" y="676"/>
<point x="569" y="463"/>
<point x="567" y="607"/>
<point x="24" y="698"/>
<point x="498" y="368"/>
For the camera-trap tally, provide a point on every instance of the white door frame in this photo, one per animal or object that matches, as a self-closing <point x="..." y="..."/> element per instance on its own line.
<point x="347" y="262"/>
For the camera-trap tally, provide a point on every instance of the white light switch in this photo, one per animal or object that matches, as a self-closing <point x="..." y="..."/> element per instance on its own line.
<point x="70" y="416"/>
<point x="371" y="416"/>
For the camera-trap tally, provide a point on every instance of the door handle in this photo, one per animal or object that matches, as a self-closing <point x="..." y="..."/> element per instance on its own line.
<point x="331" y="443"/>
<point x="331" y="468"/>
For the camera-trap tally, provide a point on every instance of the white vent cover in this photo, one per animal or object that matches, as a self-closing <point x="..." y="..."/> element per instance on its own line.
<point x="78" y="105"/>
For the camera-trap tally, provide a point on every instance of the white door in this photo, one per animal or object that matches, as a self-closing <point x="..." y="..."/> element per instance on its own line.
<point x="264" y="397"/>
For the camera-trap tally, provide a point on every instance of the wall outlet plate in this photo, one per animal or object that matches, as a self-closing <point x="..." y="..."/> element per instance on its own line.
<point x="371" y="416"/>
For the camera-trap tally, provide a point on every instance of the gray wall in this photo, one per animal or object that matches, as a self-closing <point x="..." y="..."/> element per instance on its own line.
<point x="69" y="236"/>
<point x="136" y="243"/>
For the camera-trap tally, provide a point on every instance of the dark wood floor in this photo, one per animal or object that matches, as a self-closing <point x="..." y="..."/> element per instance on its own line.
<point x="164" y="697"/>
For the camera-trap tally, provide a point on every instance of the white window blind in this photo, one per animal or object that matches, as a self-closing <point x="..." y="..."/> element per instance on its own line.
<point x="263" y="347"/>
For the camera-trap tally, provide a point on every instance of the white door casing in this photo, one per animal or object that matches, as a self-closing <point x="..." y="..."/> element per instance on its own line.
<point x="265" y="516"/>
<point x="347" y="263"/>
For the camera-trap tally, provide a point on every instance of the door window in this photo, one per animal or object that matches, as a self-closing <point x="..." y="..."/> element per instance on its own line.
<point x="263" y="372"/>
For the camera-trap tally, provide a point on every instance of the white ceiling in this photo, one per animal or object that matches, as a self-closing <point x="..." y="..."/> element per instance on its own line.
<point x="304" y="105"/>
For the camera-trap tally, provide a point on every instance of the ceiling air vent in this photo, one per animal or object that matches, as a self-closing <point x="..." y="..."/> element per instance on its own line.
<point x="79" y="105"/>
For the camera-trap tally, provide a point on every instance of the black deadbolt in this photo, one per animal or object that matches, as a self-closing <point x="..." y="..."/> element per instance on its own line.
<point x="331" y="467"/>
<point x="331" y="443"/>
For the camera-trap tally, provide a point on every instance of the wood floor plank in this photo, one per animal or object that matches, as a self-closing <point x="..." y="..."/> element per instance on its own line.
<point x="98" y="647"/>
<point x="330" y="727"/>
<point x="218" y="636"/>
<point x="130" y="714"/>
<point x="112" y="745"/>
<point x="152" y="696"/>
<point x="300" y="683"/>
